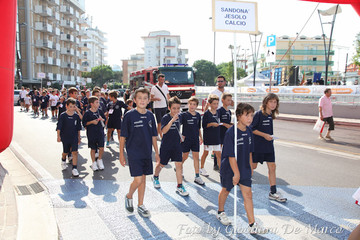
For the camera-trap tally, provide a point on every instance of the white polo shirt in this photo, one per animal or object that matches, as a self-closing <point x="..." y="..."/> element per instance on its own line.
<point x="218" y="93"/>
<point x="23" y="93"/>
<point x="157" y="94"/>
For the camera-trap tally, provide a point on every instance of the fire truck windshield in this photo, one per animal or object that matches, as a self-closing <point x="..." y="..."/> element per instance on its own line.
<point x="178" y="77"/>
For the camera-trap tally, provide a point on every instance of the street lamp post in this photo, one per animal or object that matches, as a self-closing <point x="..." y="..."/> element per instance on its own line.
<point x="255" y="50"/>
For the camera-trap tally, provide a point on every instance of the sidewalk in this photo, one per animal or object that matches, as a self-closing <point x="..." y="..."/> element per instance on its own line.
<point x="313" y="119"/>
<point x="23" y="200"/>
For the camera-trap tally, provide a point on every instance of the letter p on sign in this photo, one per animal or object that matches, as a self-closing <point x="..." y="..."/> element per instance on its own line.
<point x="271" y="41"/>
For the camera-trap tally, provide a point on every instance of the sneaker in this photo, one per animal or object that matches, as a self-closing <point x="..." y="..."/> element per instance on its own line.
<point x="203" y="172"/>
<point x="107" y="144"/>
<point x="143" y="211"/>
<point x="129" y="207"/>
<point x="321" y="138"/>
<point x="277" y="197"/>
<point x="70" y="158"/>
<point x="182" y="191"/>
<point x="199" y="181"/>
<point x="257" y="229"/>
<point x="100" y="164"/>
<point x="94" y="166"/>
<point x="156" y="183"/>
<point x="75" y="172"/>
<point x="223" y="219"/>
<point x="97" y="155"/>
<point x="329" y="138"/>
<point x="63" y="165"/>
<point x="216" y="168"/>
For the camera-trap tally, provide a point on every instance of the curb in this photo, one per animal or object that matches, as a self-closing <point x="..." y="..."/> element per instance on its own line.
<point x="307" y="120"/>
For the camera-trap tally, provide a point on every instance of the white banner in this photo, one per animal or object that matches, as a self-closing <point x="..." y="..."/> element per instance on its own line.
<point x="234" y="16"/>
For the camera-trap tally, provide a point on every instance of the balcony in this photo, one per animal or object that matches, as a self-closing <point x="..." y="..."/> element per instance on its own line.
<point x="43" y="11"/>
<point x="53" y="2"/>
<point x="67" y="37"/>
<point x="67" y="10"/>
<point x="44" y="60"/>
<point x="57" y="62"/>
<point x="50" y="76"/>
<point x="169" y="46"/>
<point x="77" y="28"/>
<point x="78" y="67"/>
<point x="68" y="79"/>
<point x="57" y="77"/>
<point x="55" y="16"/>
<point x="303" y="63"/>
<point x="67" y="24"/>
<point x="44" y="44"/>
<point x="56" y="31"/>
<point x="84" y="45"/>
<point x="84" y="21"/>
<point x="77" y="14"/>
<point x="302" y="52"/>
<point x="77" y="40"/>
<point x="67" y="65"/>
<point x="56" y="47"/>
<point x="67" y="51"/>
<point x="77" y="54"/>
<point x="43" y="27"/>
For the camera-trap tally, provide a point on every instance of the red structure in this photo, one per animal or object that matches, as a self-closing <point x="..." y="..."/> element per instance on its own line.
<point x="7" y="69"/>
<point x="354" y="3"/>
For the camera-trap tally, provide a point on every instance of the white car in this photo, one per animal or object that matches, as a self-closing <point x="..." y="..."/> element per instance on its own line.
<point x="16" y="97"/>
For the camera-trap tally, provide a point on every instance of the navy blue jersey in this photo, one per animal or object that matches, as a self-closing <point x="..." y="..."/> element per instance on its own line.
<point x="104" y="101"/>
<point x="138" y="129"/>
<point x="44" y="100"/>
<point x="262" y="123"/>
<point x="225" y="117"/>
<point x="35" y="100"/>
<point x="171" y="139"/>
<point x="69" y="127"/>
<point x="92" y="130"/>
<point x="191" y="125"/>
<point x="61" y="106"/>
<point x="211" y="134"/>
<point x="78" y="105"/>
<point x="245" y="146"/>
<point x="84" y="102"/>
<point x="114" y="109"/>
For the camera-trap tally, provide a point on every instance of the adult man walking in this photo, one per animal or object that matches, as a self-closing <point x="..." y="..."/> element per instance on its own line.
<point x="326" y="113"/>
<point x="160" y="96"/>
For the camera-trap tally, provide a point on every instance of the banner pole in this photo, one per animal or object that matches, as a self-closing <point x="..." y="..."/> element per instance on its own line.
<point x="235" y="125"/>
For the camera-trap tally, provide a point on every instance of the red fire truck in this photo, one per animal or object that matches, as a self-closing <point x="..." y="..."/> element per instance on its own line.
<point x="178" y="77"/>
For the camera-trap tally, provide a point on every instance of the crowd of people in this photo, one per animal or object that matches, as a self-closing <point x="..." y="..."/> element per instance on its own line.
<point x="139" y="129"/>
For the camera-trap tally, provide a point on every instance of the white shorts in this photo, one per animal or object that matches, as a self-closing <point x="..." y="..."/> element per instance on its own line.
<point x="216" y="148"/>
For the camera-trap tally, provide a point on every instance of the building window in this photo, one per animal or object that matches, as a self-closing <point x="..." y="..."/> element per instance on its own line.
<point x="168" y="52"/>
<point x="168" y="43"/>
<point x="314" y="59"/>
<point x="168" y="61"/>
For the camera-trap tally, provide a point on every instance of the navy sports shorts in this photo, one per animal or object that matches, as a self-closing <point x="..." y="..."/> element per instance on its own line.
<point x="330" y="121"/>
<point x="174" y="154"/>
<point x="140" y="167"/>
<point x="227" y="182"/>
<point x="96" y="143"/>
<point x="159" y="113"/>
<point x="114" y="123"/>
<point x="70" y="146"/>
<point x="22" y="99"/>
<point x="53" y="108"/>
<point x="190" y="144"/>
<point x="263" y="157"/>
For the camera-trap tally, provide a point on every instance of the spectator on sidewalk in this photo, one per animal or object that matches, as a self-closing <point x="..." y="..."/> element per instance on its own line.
<point x="326" y="113"/>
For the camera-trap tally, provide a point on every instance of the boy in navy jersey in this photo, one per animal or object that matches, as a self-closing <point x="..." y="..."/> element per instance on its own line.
<point x="224" y="114"/>
<point x="139" y="132"/>
<point x="191" y="121"/>
<point x="114" y="115"/>
<point x="35" y="99"/>
<point x="61" y="105"/>
<point x="68" y="132"/>
<point x="211" y="129"/>
<point x="170" y="147"/>
<point x="93" y="121"/>
<point x="262" y="127"/>
<point x="73" y="93"/>
<point x="44" y="103"/>
<point x="238" y="171"/>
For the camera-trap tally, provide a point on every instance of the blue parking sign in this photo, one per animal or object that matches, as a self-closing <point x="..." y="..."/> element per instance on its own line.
<point x="271" y="41"/>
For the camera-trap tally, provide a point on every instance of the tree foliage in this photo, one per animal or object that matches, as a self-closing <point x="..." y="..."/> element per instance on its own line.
<point x="101" y="74"/>
<point x="356" y="57"/>
<point x="227" y="70"/>
<point x="206" y="72"/>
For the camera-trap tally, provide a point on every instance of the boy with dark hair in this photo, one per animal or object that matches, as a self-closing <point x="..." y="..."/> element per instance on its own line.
<point x="61" y="106"/>
<point x="191" y="121"/>
<point x="128" y="102"/>
<point x="224" y="114"/>
<point x="53" y="102"/>
<point x="73" y="93"/>
<point x="68" y="132"/>
<point x="114" y="115"/>
<point x="138" y="130"/>
<point x="93" y="121"/>
<point x="170" y="147"/>
<point x="238" y="171"/>
<point x="211" y="129"/>
<point x="35" y="99"/>
<point x="44" y="103"/>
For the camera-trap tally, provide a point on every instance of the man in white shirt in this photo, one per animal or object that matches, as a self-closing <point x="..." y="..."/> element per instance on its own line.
<point x="160" y="96"/>
<point x="53" y="101"/>
<point x="104" y="88"/>
<point x="22" y="94"/>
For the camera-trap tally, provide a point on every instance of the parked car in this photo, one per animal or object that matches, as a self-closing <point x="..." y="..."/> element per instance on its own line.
<point x="16" y="97"/>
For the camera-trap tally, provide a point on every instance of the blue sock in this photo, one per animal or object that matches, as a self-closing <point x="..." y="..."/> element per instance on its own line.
<point x="74" y="166"/>
<point x="273" y="189"/>
<point x="197" y="175"/>
<point x="179" y="185"/>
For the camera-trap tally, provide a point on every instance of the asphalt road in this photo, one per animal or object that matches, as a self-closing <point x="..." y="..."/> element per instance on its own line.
<point x="318" y="178"/>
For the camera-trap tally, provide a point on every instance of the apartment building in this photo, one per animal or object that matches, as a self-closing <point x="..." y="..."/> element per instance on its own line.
<point x="51" y="40"/>
<point x="136" y="62"/>
<point x="307" y="53"/>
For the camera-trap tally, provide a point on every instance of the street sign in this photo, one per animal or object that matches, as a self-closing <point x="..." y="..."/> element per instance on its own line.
<point x="271" y="49"/>
<point x="234" y="16"/>
<point x="49" y="84"/>
<point x="41" y="75"/>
